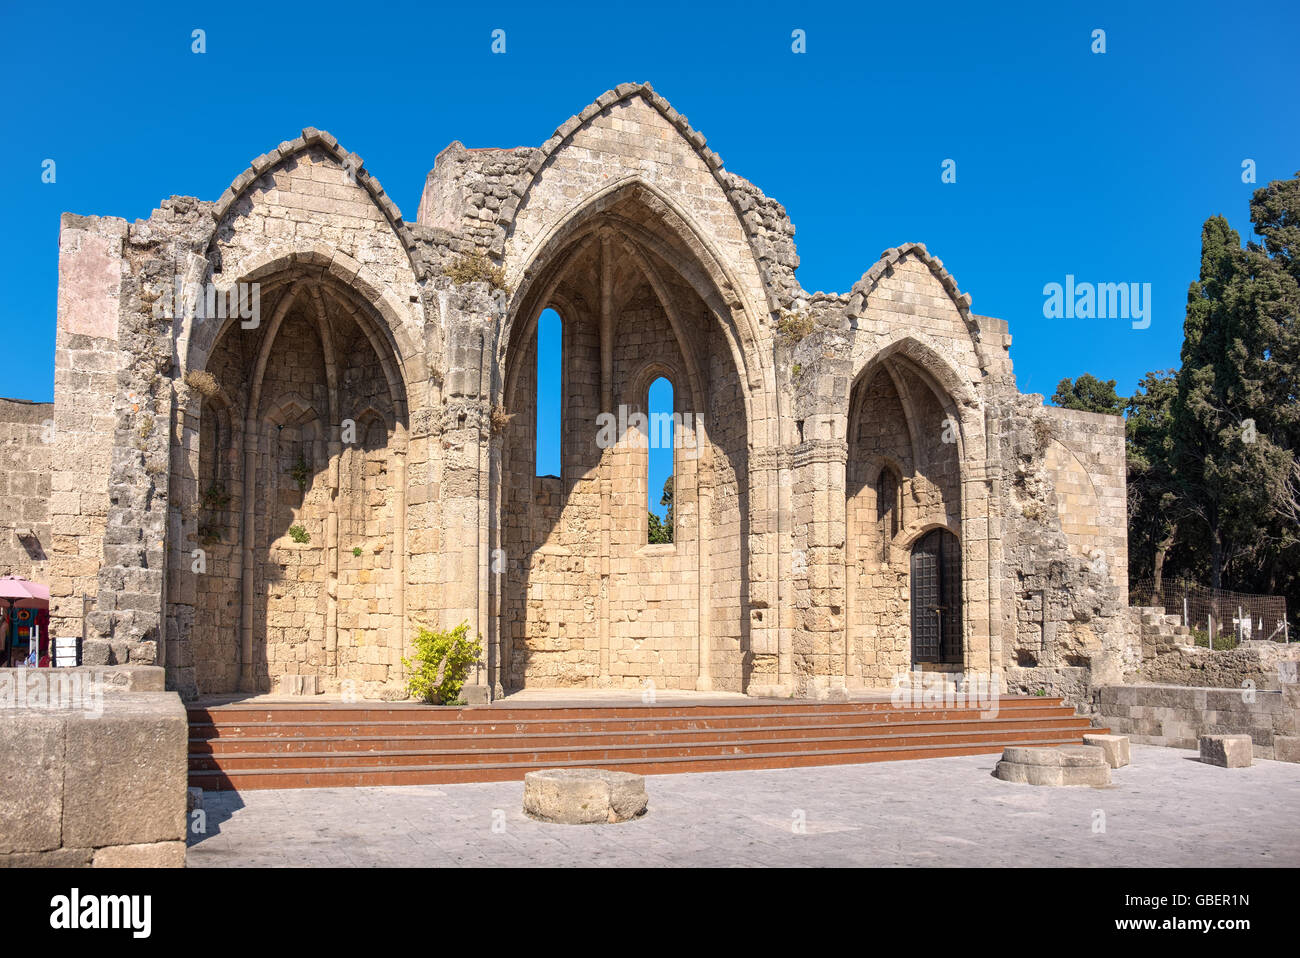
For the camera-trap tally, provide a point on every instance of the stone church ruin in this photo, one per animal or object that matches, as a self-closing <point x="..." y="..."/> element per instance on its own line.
<point x="291" y="427"/>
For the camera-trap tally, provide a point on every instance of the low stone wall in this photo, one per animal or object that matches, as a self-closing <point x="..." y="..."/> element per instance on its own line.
<point x="109" y="679"/>
<point x="1252" y="661"/>
<point x="92" y="771"/>
<point x="1177" y="716"/>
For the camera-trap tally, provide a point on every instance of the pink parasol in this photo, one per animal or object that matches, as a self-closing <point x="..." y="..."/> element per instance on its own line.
<point x="40" y="597"/>
<point x="14" y="587"/>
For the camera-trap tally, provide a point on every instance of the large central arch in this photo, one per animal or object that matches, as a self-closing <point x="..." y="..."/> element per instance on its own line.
<point x="581" y="599"/>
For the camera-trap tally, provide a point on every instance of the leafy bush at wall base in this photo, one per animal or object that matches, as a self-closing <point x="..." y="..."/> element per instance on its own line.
<point x="441" y="664"/>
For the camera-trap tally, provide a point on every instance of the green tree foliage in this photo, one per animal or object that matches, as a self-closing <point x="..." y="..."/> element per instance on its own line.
<point x="1089" y="394"/>
<point x="1152" y="503"/>
<point x="660" y="531"/>
<point x="441" y="664"/>
<point x="1233" y="423"/>
<point x="1213" y="471"/>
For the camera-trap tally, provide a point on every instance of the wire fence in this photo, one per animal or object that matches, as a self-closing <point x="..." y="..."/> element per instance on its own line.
<point x="1219" y="619"/>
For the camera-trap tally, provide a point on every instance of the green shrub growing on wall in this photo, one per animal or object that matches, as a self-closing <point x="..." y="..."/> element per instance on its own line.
<point x="299" y="534"/>
<point x="441" y="664"/>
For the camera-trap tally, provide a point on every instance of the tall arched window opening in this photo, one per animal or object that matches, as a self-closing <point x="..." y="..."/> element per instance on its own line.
<point x="659" y="462"/>
<point x="550" y="377"/>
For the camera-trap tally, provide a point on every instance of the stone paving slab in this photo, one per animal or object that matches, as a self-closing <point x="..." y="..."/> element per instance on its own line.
<point x="1166" y="809"/>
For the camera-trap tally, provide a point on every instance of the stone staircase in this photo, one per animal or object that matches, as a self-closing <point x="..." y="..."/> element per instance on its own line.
<point x="244" y="746"/>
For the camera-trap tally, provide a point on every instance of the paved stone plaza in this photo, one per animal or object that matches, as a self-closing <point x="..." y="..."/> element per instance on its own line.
<point x="1166" y="809"/>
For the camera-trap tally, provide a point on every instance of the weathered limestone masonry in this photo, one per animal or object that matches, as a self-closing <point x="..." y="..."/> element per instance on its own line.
<point x="26" y="429"/>
<point x="281" y="499"/>
<point x="92" y="770"/>
<point x="1177" y="716"/>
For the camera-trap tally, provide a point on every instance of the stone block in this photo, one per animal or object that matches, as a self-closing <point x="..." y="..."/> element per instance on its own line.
<point x="1286" y="748"/>
<point x="1062" y="766"/>
<point x="300" y="685"/>
<point x="126" y="771"/>
<point x="1115" y="748"/>
<point x="55" y="858"/>
<point x="1227" y="751"/>
<point x="151" y="855"/>
<point x="584" y="796"/>
<point x="31" y="780"/>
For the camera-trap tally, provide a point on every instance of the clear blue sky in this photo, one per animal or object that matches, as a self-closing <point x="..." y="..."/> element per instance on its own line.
<point x="1103" y="166"/>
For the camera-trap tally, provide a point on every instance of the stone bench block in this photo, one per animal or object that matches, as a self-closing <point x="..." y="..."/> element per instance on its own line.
<point x="1227" y="751"/>
<point x="1064" y="765"/>
<point x="125" y="774"/>
<point x="1115" y="748"/>
<point x="300" y="685"/>
<point x="584" y="796"/>
<point x="31" y="770"/>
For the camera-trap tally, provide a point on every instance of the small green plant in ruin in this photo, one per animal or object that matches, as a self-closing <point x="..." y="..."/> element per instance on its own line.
<point x="299" y="534"/>
<point x="356" y="550"/>
<point x="214" y="498"/>
<point x="476" y="268"/>
<point x="301" y="474"/>
<point x="1222" y="642"/>
<point x="1041" y="693"/>
<point x="441" y="664"/>
<point x="791" y="327"/>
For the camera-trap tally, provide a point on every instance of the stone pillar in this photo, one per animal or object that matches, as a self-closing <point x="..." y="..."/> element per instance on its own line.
<point x="332" y="556"/>
<point x="980" y="595"/>
<point x="464" y="574"/>
<point x="819" y="509"/>
<point x="252" y="435"/>
<point x="87" y="358"/>
<point x="771" y="615"/>
<point x="607" y="455"/>
<point x="404" y="637"/>
<point x="704" y="499"/>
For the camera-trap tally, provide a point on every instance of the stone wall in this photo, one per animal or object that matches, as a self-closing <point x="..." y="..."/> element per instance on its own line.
<point x="1177" y="716"/>
<point x="26" y="432"/>
<point x="99" y="780"/>
<point x="1170" y="658"/>
<point x="1065" y="535"/>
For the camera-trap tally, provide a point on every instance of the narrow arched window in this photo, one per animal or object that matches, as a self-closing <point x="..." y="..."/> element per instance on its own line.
<point x="659" y="463"/>
<point x="550" y="365"/>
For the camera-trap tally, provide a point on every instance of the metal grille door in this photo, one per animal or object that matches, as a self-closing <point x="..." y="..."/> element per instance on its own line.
<point x="936" y="598"/>
<point x="926" y="613"/>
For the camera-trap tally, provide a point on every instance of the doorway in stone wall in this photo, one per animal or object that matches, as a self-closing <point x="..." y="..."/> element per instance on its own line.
<point x="936" y="599"/>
